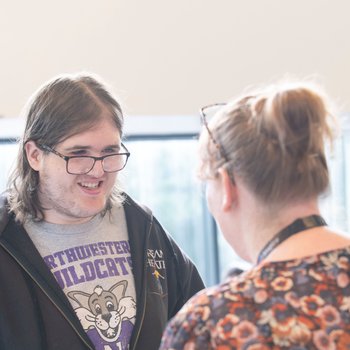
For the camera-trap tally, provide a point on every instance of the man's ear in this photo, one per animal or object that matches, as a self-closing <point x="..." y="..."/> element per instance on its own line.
<point x="34" y="155"/>
<point x="228" y="189"/>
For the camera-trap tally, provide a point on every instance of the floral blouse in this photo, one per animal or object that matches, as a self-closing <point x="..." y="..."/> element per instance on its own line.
<point x="295" y="304"/>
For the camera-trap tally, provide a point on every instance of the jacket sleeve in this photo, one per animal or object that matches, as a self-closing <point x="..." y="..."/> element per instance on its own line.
<point x="188" y="278"/>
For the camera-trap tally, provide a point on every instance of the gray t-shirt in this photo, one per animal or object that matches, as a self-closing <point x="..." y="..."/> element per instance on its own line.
<point x="92" y="264"/>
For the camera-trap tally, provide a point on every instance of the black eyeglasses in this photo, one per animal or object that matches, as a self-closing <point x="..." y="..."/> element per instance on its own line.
<point x="80" y="165"/>
<point x="207" y="112"/>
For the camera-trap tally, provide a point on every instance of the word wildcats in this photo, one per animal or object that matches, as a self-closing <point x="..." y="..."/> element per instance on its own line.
<point x="90" y="262"/>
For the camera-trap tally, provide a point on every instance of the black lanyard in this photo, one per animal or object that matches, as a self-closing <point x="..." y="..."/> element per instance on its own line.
<point x="295" y="227"/>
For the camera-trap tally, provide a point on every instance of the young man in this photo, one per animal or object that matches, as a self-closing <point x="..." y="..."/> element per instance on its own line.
<point x="82" y="266"/>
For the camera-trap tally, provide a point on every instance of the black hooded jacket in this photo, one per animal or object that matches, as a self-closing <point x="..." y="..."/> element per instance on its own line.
<point x="35" y="314"/>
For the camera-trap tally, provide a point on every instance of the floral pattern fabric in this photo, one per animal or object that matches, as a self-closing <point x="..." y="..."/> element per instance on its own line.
<point x="295" y="304"/>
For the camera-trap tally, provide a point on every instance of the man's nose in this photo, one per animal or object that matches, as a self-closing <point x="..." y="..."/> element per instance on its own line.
<point x="97" y="169"/>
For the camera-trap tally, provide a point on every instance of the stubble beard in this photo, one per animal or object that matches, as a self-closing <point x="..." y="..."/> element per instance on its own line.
<point x="60" y="200"/>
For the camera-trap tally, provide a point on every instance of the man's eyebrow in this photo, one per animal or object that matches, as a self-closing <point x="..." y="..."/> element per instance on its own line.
<point x="80" y="147"/>
<point x="75" y="147"/>
<point x="117" y="145"/>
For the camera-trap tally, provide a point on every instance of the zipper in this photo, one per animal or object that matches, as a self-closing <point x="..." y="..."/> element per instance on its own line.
<point x="58" y="308"/>
<point x="145" y="293"/>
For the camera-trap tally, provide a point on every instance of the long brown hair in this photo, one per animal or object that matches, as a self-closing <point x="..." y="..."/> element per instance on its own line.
<point x="61" y="108"/>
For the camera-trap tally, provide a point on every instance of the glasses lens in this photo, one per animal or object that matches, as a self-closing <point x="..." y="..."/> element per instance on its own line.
<point x="80" y="165"/>
<point x="114" y="162"/>
<point x="210" y="111"/>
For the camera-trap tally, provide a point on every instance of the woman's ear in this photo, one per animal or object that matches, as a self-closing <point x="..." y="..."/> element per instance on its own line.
<point x="228" y="189"/>
<point x="34" y="155"/>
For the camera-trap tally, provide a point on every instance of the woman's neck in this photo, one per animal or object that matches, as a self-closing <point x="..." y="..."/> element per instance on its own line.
<point x="263" y="225"/>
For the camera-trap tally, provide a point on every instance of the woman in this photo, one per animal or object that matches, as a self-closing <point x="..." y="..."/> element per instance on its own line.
<point x="262" y="158"/>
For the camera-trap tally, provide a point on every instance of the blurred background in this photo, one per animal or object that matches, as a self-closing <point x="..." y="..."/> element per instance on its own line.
<point x="165" y="59"/>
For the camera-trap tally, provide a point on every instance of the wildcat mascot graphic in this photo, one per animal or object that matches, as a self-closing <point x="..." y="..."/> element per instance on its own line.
<point x="107" y="320"/>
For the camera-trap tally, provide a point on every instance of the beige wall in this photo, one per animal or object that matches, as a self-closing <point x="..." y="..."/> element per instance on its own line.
<point x="169" y="57"/>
